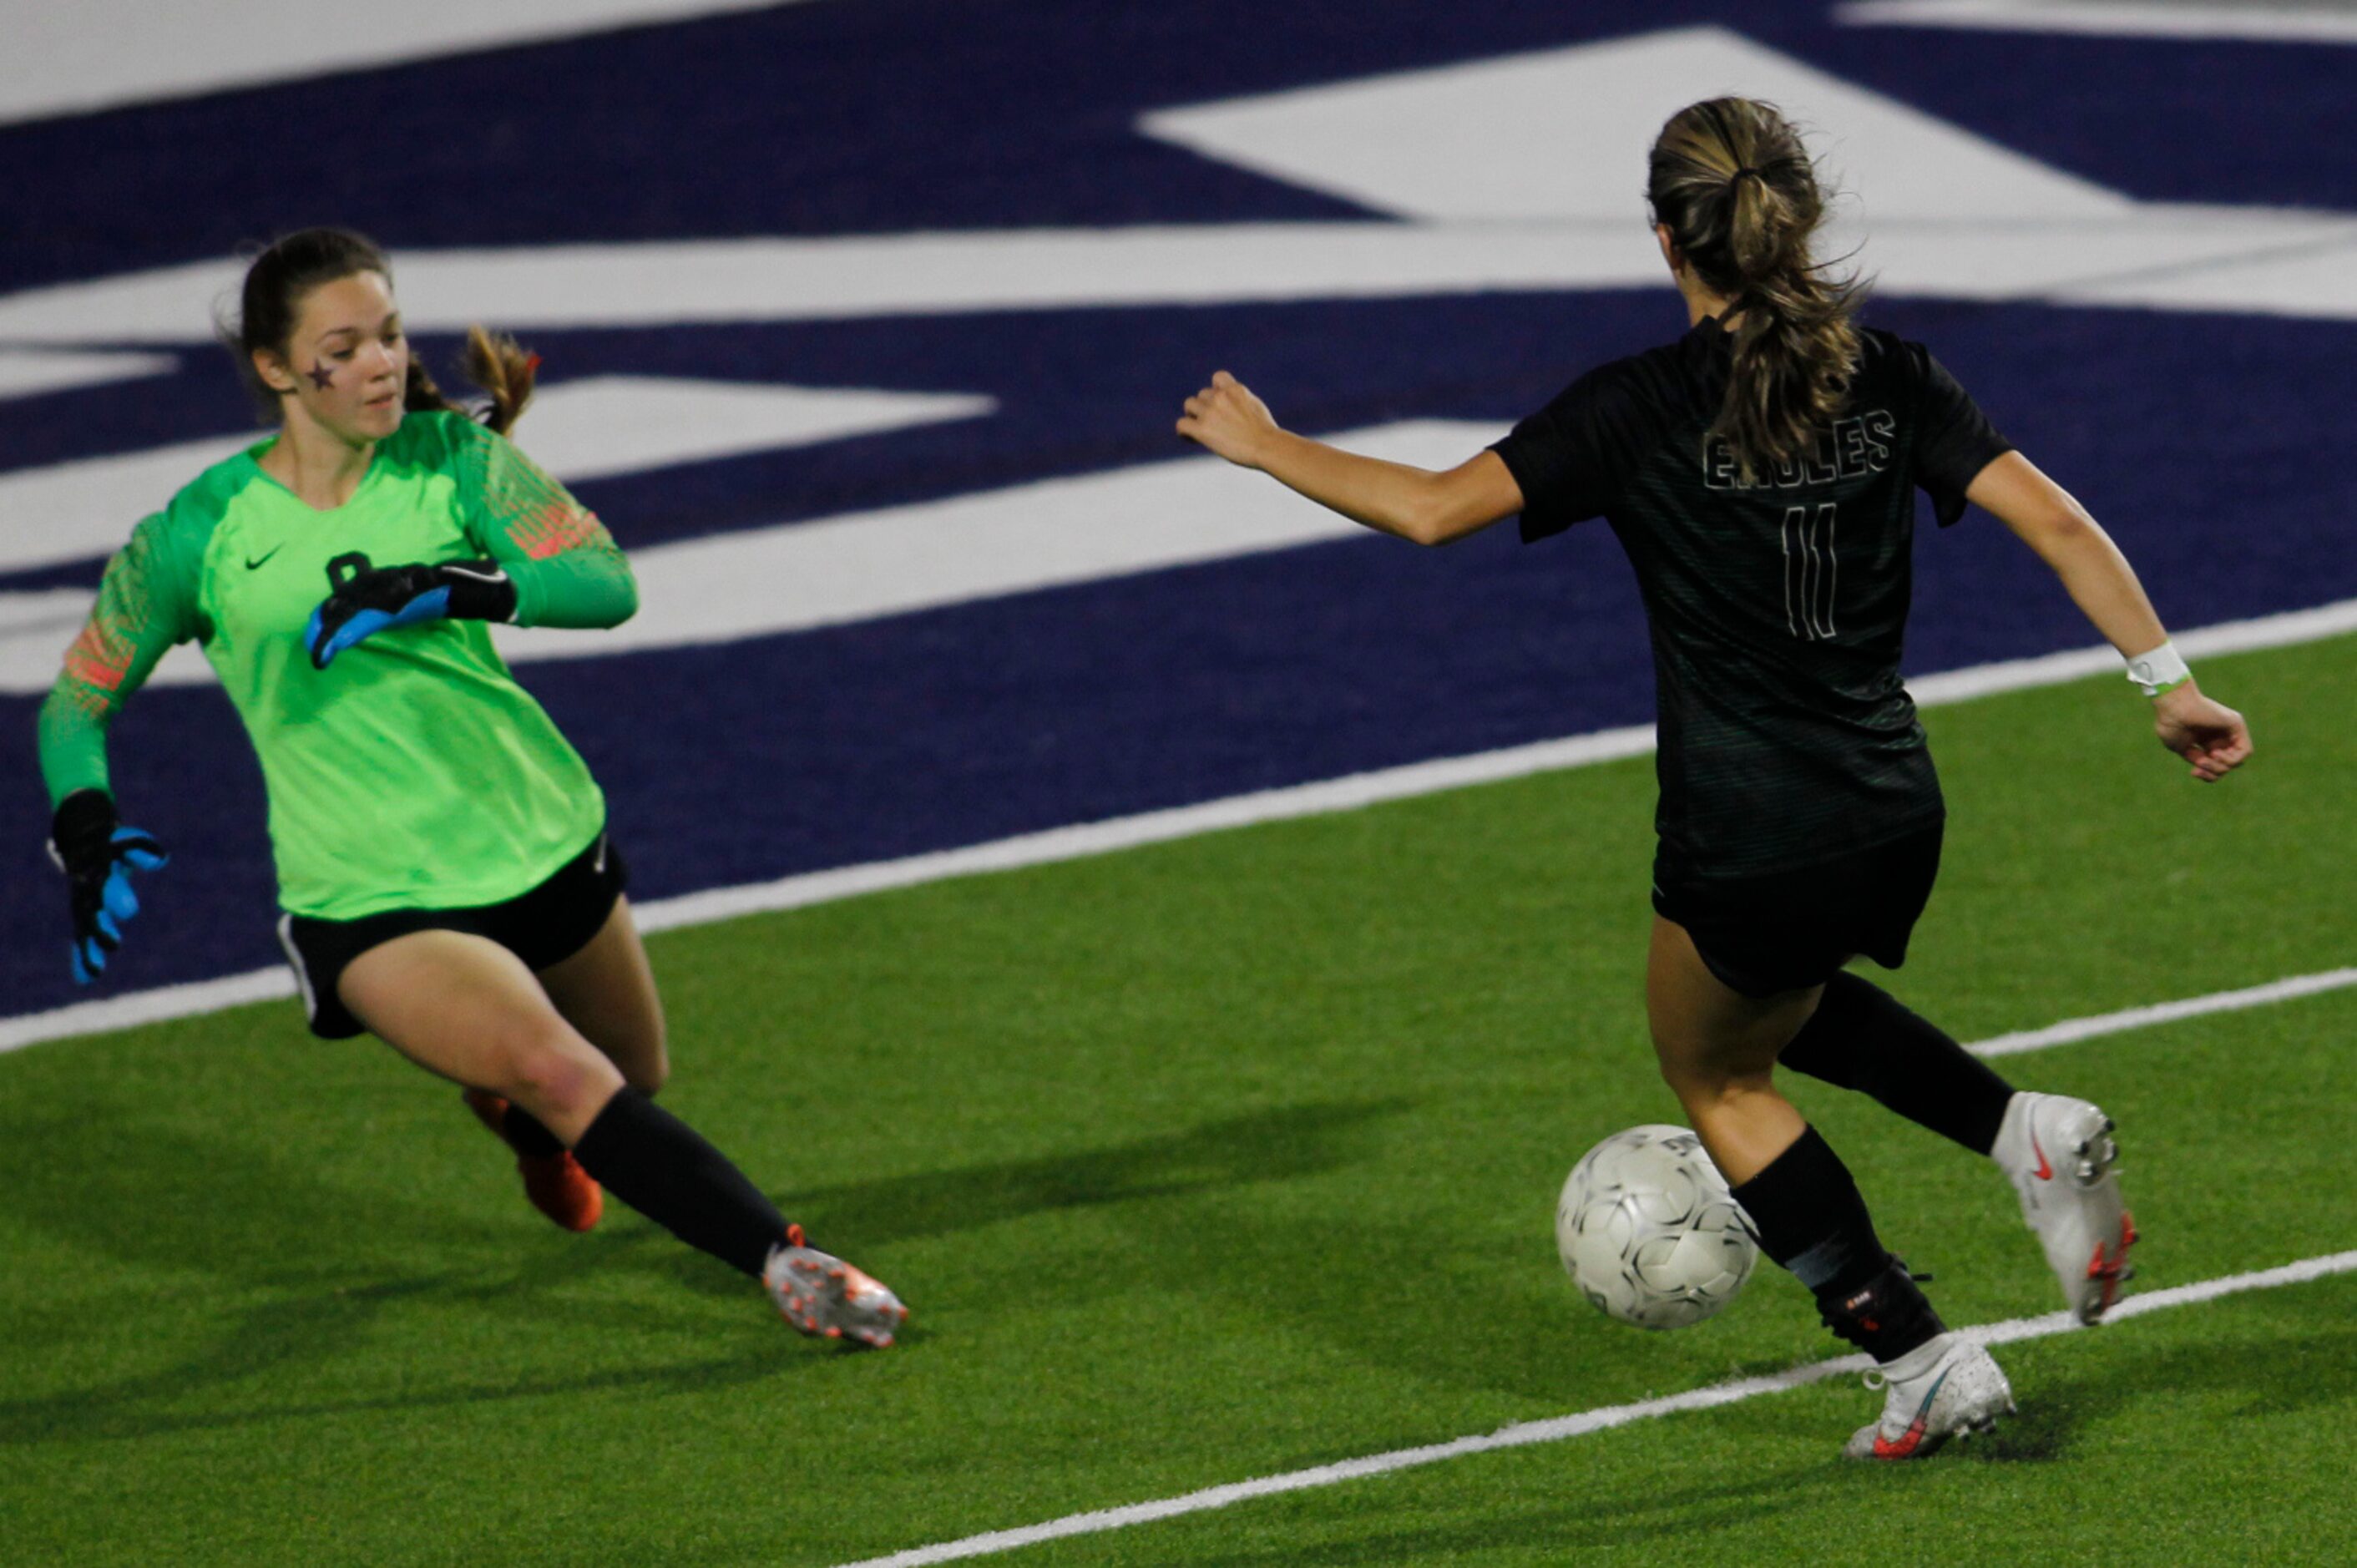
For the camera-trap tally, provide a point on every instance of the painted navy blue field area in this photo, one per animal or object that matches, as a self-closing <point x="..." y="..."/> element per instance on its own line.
<point x="2207" y="441"/>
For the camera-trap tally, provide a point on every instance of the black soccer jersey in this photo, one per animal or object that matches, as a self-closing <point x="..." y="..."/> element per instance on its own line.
<point x="1778" y="607"/>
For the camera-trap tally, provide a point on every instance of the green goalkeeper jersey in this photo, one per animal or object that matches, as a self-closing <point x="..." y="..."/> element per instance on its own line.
<point x="413" y="772"/>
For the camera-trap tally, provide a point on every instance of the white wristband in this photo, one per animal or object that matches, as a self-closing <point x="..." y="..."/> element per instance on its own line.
<point x="2158" y="670"/>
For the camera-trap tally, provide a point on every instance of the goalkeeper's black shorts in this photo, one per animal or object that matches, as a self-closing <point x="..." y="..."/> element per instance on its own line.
<point x="1791" y="930"/>
<point x="544" y="927"/>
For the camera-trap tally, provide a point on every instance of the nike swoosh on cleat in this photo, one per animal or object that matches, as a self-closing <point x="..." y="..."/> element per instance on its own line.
<point x="2045" y="1171"/>
<point x="1912" y="1438"/>
<point x="1904" y="1448"/>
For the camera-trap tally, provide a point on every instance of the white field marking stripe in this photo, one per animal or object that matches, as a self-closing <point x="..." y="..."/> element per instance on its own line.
<point x="2044" y="233"/>
<point x="674" y="283"/>
<point x="856" y="566"/>
<point x="31" y="373"/>
<point x="1081" y="841"/>
<point x="851" y="881"/>
<point x="159" y="1005"/>
<point x="2164" y="1013"/>
<point x="2116" y="18"/>
<point x="1479" y="140"/>
<point x="104" y="53"/>
<point x="586" y="428"/>
<point x="1524" y="1434"/>
<point x="166" y="1003"/>
<point x="1045" y="534"/>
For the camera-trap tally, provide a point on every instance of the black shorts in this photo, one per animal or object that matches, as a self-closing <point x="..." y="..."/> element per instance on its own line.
<point x="544" y="927"/>
<point x="1791" y="929"/>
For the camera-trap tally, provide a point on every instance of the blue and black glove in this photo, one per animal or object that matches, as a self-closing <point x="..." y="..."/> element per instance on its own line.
<point x="368" y="600"/>
<point x="98" y="855"/>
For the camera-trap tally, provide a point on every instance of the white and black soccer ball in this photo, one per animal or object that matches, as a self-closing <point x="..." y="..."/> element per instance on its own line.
<point x="1648" y="1232"/>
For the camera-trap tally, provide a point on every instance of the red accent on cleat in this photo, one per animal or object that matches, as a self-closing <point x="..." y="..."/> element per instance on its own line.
<point x="555" y="1183"/>
<point x="1906" y="1445"/>
<point x="490" y="1110"/>
<point x="2113" y="1269"/>
<point x="561" y="1189"/>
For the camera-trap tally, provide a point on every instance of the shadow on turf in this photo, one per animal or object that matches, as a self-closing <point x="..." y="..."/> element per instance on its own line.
<point x="1277" y="1145"/>
<point x="210" y="1224"/>
<point x="2055" y="1410"/>
<point x="1213" y="1158"/>
<point x="167" y="1202"/>
<point x="1680" y="1518"/>
<point x="1674" y="1518"/>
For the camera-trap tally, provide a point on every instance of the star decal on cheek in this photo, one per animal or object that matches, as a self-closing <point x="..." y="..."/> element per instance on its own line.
<point x="320" y="376"/>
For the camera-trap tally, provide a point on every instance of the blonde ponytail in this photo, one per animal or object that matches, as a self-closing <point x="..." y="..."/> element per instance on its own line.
<point x="1732" y="182"/>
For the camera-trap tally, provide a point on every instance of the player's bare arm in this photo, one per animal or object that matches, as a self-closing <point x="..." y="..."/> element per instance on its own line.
<point x="2210" y="735"/>
<point x="1413" y="503"/>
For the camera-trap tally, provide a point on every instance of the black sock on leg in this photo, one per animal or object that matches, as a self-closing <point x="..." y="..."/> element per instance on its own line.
<point x="663" y="1169"/>
<point x="526" y="1134"/>
<point x="1862" y="1037"/>
<point x="1810" y="1219"/>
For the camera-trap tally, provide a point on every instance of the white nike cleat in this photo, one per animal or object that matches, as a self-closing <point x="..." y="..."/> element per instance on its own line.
<point x="2059" y="1153"/>
<point x="1947" y="1386"/>
<point x="821" y="1294"/>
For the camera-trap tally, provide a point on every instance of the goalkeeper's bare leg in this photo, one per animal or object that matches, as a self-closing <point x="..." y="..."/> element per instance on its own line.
<point x="466" y="1008"/>
<point x="607" y="990"/>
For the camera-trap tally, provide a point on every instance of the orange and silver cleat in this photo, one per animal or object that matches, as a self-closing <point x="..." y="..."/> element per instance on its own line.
<point x="821" y="1294"/>
<point x="555" y="1183"/>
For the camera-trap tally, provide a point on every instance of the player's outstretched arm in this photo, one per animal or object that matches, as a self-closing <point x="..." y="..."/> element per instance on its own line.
<point x="1415" y="504"/>
<point x="2210" y="735"/>
<point x="146" y="604"/>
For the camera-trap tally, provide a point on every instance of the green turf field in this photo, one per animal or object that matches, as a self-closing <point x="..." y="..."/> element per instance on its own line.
<point x="1216" y="1160"/>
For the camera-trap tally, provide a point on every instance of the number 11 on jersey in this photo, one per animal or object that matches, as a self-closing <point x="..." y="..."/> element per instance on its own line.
<point x="1809" y="572"/>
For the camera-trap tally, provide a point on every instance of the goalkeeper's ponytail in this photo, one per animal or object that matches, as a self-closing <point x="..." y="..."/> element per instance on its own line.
<point x="498" y="365"/>
<point x="288" y="269"/>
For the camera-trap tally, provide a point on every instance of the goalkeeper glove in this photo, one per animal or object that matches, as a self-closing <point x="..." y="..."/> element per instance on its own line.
<point x="369" y="601"/>
<point x="98" y="855"/>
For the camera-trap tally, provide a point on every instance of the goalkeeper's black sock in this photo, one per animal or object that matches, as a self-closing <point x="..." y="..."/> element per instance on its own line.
<point x="663" y="1169"/>
<point x="1861" y="1038"/>
<point x="526" y="1134"/>
<point x="1810" y="1219"/>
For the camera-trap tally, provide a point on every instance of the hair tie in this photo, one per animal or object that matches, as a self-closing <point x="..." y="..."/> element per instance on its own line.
<point x="1737" y="179"/>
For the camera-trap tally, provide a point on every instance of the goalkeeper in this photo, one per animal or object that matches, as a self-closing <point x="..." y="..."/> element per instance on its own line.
<point x="442" y="854"/>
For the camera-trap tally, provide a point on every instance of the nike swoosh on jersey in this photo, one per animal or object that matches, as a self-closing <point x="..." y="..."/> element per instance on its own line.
<point x="254" y="565"/>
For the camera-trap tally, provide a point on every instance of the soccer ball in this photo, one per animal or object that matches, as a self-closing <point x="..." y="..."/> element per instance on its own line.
<point x="1648" y="1232"/>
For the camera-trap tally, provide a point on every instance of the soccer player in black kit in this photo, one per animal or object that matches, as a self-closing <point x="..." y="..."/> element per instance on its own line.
<point x="1759" y="473"/>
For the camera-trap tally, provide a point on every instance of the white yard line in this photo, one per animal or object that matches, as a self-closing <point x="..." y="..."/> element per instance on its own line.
<point x="134" y="1008"/>
<point x="1318" y="799"/>
<point x="2116" y="18"/>
<point x="102" y="54"/>
<point x="2164" y="1013"/>
<point x="1558" y="1429"/>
